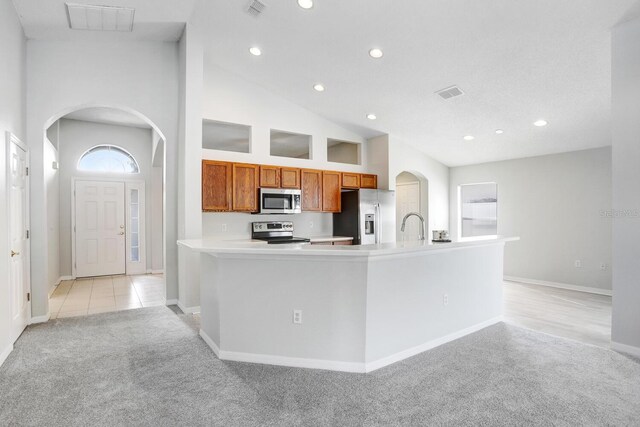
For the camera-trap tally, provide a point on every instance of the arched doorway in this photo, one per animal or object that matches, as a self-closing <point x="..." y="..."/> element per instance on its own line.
<point x="411" y="196"/>
<point x="76" y="141"/>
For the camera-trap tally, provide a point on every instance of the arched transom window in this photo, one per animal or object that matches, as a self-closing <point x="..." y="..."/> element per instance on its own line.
<point x="108" y="159"/>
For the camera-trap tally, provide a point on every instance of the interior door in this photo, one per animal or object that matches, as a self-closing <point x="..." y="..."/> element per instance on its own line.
<point x="19" y="244"/>
<point x="408" y="200"/>
<point x="100" y="228"/>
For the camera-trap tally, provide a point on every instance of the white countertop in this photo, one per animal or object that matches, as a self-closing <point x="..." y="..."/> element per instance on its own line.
<point x="257" y="247"/>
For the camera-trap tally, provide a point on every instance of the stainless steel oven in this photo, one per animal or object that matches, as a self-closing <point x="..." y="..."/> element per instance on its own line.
<point x="280" y="201"/>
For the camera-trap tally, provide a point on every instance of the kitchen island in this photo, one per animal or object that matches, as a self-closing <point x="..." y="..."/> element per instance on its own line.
<point x="345" y="308"/>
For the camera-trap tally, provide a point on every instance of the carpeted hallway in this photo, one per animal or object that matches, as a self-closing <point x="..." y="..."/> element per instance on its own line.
<point x="149" y="367"/>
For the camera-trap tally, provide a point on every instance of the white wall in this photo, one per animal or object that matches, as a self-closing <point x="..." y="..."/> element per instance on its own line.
<point x="228" y="98"/>
<point x="52" y="188"/>
<point x="140" y="77"/>
<point x="406" y="158"/>
<point x="556" y="205"/>
<point x="76" y="137"/>
<point x="626" y="186"/>
<point x="12" y="119"/>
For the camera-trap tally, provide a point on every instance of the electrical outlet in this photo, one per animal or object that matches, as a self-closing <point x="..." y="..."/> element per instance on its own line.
<point x="445" y="299"/>
<point x="224" y="228"/>
<point x="603" y="266"/>
<point x="297" y="317"/>
<point x="578" y="263"/>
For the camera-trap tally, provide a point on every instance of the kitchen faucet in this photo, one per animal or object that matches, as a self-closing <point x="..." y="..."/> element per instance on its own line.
<point x="404" y="222"/>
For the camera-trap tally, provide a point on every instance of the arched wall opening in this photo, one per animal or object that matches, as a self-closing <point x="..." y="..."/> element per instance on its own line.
<point x="412" y="195"/>
<point x="61" y="152"/>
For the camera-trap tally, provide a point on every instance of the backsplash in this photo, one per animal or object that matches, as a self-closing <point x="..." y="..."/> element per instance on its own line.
<point x="238" y="225"/>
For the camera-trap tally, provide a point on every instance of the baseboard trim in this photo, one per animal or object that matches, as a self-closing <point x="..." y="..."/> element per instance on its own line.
<point x="171" y="302"/>
<point x="39" y="319"/>
<point x="624" y="348"/>
<point x="410" y="352"/>
<point x="5" y="353"/>
<point x="210" y="342"/>
<point x="188" y="310"/>
<point x="567" y="286"/>
<point x="336" y="365"/>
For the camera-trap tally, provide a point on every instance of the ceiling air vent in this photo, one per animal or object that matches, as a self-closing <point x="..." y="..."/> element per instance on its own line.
<point x="99" y="18"/>
<point x="450" y="92"/>
<point x="255" y="8"/>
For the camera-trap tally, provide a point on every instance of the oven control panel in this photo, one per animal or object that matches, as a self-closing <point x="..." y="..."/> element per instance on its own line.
<point x="272" y="226"/>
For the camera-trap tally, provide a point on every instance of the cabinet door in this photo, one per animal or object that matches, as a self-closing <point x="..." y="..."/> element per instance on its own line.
<point x="289" y="178"/>
<point x="331" y="191"/>
<point x="350" y="180"/>
<point x="245" y="187"/>
<point x="216" y="186"/>
<point x="270" y="176"/>
<point x="368" y="181"/>
<point x="311" y="190"/>
<point x="343" y="243"/>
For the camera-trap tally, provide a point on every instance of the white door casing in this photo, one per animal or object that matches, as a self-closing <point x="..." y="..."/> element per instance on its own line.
<point x="18" y="180"/>
<point x="408" y="200"/>
<point x="99" y="228"/>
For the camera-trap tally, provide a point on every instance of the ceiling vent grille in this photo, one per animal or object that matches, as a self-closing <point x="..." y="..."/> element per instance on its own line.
<point x="255" y="8"/>
<point x="100" y="18"/>
<point x="450" y="92"/>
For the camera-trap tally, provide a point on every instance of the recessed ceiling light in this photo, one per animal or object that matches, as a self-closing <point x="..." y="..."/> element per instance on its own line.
<point x="468" y="138"/>
<point x="499" y="131"/>
<point x="318" y="87"/>
<point x="305" y="4"/>
<point x="255" y="51"/>
<point x="375" y="53"/>
<point x="540" y="123"/>
<point x="371" y="116"/>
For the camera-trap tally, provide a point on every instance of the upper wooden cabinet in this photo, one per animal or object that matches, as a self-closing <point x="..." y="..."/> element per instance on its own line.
<point x="331" y="191"/>
<point x="216" y="186"/>
<point x="289" y="177"/>
<point x="350" y="180"/>
<point x="311" y="190"/>
<point x="269" y="176"/>
<point x="368" y="181"/>
<point x="245" y="179"/>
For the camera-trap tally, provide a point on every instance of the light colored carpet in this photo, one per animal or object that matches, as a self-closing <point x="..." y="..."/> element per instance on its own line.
<point x="149" y="367"/>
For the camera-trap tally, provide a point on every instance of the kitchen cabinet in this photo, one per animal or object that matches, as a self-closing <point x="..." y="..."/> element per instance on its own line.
<point x="368" y="181"/>
<point x="216" y="186"/>
<point x="350" y="180"/>
<point x="289" y="177"/>
<point x="334" y="243"/>
<point x="269" y="176"/>
<point x="311" y="190"/>
<point x="331" y="191"/>
<point x="245" y="180"/>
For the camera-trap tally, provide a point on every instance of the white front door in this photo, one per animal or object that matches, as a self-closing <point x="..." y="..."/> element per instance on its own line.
<point x="19" y="244"/>
<point x="100" y="228"/>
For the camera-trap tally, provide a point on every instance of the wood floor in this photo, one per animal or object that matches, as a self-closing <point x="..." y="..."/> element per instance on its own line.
<point x="570" y="314"/>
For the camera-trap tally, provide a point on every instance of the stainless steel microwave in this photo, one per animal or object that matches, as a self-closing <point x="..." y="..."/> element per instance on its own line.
<point x="280" y="201"/>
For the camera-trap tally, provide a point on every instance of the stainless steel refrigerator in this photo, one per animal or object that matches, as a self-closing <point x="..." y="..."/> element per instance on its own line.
<point x="369" y="216"/>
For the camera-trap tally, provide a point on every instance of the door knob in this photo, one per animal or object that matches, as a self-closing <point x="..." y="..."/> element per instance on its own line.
<point x="122" y="226"/>
<point x="121" y="233"/>
<point x="14" y="253"/>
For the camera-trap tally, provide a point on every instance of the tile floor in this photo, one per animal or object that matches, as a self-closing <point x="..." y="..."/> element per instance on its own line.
<point x="576" y="315"/>
<point x="103" y="294"/>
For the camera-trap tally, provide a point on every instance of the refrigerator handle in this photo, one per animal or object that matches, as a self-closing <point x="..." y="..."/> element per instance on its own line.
<point x="378" y="234"/>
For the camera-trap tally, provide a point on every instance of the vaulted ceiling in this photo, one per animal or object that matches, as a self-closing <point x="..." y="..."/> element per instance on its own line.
<point x="516" y="60"/>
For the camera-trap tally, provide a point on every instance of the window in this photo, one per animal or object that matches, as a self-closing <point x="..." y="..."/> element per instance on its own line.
<point x="109" y="159"/>
<point x="134" y="208"/>
<point x="478" y="210"/>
